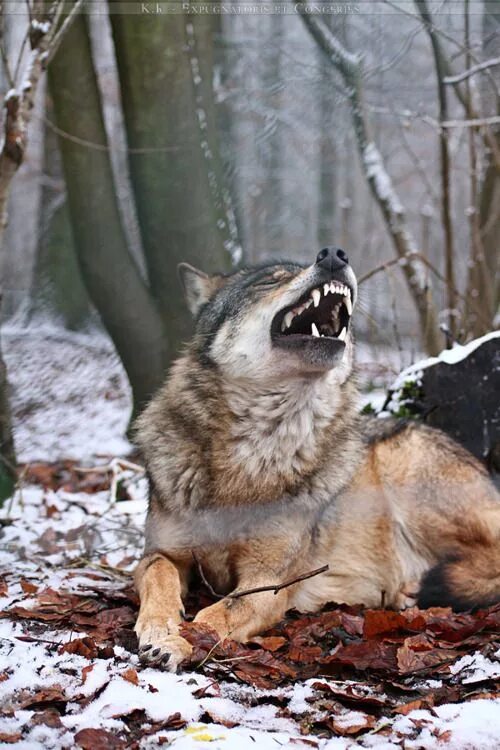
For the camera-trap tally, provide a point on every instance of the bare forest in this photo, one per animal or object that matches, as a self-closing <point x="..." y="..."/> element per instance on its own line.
<point x="135" y="136"/>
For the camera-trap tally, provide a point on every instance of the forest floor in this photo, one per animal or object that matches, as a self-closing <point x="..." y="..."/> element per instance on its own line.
<point x="69" y="672"/>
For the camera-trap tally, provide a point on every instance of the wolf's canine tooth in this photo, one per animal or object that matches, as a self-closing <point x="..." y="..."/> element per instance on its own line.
<point x="288" y="319"/>
<point x="348" y="304"/>
<point x="342" y="335"/>
<point x="316" y="295"/>
<point x="314" y="329"/>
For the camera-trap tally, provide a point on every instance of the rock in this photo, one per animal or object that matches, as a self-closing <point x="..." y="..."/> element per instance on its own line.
<point x="459" y="392"/>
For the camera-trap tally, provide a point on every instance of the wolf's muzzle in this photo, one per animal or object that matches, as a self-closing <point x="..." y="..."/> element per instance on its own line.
<point x="332" y="259"/>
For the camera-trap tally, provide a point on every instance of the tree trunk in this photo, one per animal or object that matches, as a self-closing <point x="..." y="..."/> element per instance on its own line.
<point x="57" y="289"/>
<point x="483" y="283"/>
<point x="8" y="474"/>
<point x="165" y="70"/>
<point x="444" y="157"/>
<point x="108" y="269"/>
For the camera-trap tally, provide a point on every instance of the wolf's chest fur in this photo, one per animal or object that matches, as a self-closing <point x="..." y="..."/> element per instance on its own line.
<point x="274" y="439"/>
<point x="215" y="443"/>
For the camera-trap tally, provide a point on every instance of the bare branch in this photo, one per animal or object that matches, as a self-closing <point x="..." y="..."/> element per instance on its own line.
<point x="479" y="122"/>
<point x="401" y="262"/>
<point x="472" y="71"/>
<point x="350" y="68"/>
<point x="279" y="586"/>
<point x="58" y="36"/>
<point x="276" y="587"/>
<point x="43" y="32"/>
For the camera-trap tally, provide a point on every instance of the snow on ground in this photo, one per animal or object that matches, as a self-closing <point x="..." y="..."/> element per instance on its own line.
<point x="70" y="399"/>
<point x="69" y="394"/>
<point x="65" y="541"/>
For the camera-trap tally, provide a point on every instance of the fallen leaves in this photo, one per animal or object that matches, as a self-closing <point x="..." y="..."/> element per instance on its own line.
<point x="369" y="668"/>
<point x="98" y="739"/>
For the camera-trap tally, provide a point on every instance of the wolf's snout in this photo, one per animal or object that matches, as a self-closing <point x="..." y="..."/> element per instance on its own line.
<point x="332" y="259"/>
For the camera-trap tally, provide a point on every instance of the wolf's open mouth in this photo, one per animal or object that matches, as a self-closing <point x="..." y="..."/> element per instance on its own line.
<point x="323" y="312"/>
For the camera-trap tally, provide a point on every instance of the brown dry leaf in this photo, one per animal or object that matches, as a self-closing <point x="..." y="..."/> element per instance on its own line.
<point x="270" y="642"/>
<point x="4" y="589"/>
<point x="365" y="655"/>
<point x="131" y="676"/>
<point x="85" y="672"/>
<point x="28" y="587"/>
<point x="51" y="694"/>
<point x="86" y="647"/>
<point x="98" y="739"/>
<point x="48" y="542"/>
<point x="362" y="724"/>
<point x="415" y="705"/>
<point x="305" y="654"/>
<point x="416" y="654"/>
<point x="50" y="717"/>
<point x="11" y="737"/>
<point x="444" y="736"/>
<point x="354" y="695"/>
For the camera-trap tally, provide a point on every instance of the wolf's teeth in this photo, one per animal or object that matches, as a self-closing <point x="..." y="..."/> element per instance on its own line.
<point x="314" y="329"/>
<point x="288" y="319"/>
<point x="326" y="289"/>
<point x="348" y="304"/>
<point x="342" y="335"/>
<point x="308" y="303"/>
<point x="316" y="295"/>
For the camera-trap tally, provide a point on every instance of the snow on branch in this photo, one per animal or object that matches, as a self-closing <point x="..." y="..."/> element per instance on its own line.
<point x="349" y="66"/>
<point x="376" y="172"/>
<point x="486" y="65"/>
<point x="348" y="63"/>
<point x="45" y="33"/>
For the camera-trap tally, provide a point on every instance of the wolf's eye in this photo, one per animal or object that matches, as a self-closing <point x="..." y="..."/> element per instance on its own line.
<point x="266" y="283"/>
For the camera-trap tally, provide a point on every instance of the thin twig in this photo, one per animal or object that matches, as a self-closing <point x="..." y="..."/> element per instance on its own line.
<point x="277" y="587"/>
<point x="472" y="71"/>
<point x="400" y="261"/>
<point x="204" y="579"/>
<point x="57" y="38"/>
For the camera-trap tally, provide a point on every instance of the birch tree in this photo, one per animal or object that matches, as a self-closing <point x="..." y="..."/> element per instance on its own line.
<point x="46" y="28"/>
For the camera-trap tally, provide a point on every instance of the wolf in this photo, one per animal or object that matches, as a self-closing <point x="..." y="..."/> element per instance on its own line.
<point x="262" y="469"/>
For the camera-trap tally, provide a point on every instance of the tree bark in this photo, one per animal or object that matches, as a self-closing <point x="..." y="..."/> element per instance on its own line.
<point x="108" y="269"/>
<point x="165" y="70"/>
<point x="483" y="282"/>
<point x="57" y="289"/>
<point x="349" y="66"/>
<point x="8" y="474"/>
<point x="444" y="158"/>
<point x="18" y="105"/>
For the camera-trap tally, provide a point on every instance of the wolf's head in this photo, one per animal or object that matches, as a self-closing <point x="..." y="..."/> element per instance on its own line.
<point x="276" y="320"/>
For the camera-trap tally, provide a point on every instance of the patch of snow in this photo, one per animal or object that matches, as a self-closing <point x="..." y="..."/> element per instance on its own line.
<point x="70" y="395"/>
<point x="449" y="356"/>
<point x="414" y="373"/>
<point x="476" y="667"/>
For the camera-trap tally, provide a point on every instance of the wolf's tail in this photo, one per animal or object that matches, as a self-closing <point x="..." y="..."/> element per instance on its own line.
<point x="465" y="580"/>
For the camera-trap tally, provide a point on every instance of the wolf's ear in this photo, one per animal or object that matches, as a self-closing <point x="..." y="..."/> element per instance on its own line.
<point x="198" y="286"/>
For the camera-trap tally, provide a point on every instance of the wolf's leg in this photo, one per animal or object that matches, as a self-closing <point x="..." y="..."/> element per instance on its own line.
<point x="259" y="563"/>
<point x="160" y="583"/>
<point x="241" y="618"/>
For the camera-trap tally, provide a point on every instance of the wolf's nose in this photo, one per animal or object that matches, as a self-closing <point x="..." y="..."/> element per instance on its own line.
<point x="332" y="259"/>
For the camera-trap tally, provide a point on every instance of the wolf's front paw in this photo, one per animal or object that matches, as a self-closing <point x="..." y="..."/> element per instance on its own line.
<point x="160" y="647"/>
